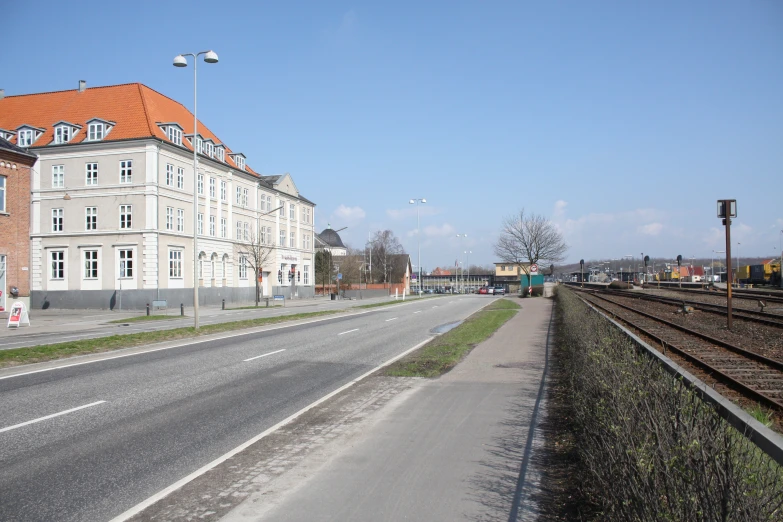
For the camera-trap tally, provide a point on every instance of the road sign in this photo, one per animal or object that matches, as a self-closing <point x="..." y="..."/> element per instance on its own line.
<point x="279" y="298"/>
<point x="534" y="268"/>
<point x="18" y="315"/>
<point x="340" y="277"/>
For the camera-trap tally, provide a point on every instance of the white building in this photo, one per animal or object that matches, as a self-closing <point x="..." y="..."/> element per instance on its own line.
<point x="112" y="204"/>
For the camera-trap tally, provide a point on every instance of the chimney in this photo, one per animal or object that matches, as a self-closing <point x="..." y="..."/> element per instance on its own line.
<point x="82" y="85"/>
<point x="2" y="94"/>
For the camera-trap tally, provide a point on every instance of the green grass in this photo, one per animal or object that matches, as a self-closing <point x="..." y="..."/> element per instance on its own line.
<point x="47" y="352"/>
<point x="764" y="417"/>
<point x="142" y="318"/>
<point x="444" y="352"/>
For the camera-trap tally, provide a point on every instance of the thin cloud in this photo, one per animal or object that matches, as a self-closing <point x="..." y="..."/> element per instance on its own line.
<point x="409" y="212"/>
<point x="349" y="214"/>
<point x="439" y="231"/>
<point x="650" y="229"/>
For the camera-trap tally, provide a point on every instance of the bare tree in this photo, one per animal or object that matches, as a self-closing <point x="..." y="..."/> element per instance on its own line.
<point x="529" y="239"/>
<point x="256" y="252"/>
<point x="384" y="245"/>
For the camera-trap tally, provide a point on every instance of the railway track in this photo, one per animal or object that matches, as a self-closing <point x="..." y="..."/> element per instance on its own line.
<point x="768" y="295"/>
<point x="757" y="377"/>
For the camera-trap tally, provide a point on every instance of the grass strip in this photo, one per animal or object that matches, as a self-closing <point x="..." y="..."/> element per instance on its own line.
<point x="47" y="352"/>
<point x="400" y="301"/>
<point x="444" y="352"/>
<point x="143" y="318"/>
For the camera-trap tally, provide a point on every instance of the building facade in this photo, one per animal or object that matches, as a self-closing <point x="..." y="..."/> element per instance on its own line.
<point x="15" y="170"/>
<point x="112" y="204"/>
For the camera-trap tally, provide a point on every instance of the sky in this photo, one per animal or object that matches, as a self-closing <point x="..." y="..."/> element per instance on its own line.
<point x="623" y="123"/>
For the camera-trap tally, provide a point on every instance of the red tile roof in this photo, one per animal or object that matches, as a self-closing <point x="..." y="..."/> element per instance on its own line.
<point x="134" y="107"/>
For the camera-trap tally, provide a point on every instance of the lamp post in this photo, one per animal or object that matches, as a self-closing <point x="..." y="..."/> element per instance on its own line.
<point x="462" y="236"/>
<point x="416" y="201"/>
<point x="467" y="263"/>
<point x="180" y="61"/>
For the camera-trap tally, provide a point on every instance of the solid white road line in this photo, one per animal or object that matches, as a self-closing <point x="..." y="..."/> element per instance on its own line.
<point x="259" y="356"/>
<point x="392" y="319"/>
<point x="349" y="331"/>
<point x="9" y="428"/>
<point x="138" y="508"/>
<point x="417" y="312"/>
<point x="435" y="306"/>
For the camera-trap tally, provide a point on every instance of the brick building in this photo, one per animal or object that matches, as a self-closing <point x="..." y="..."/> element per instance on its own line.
<point x="15" y="169"/>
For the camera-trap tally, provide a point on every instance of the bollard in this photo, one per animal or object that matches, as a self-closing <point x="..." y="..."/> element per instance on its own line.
<point x="224" y="304"/>
<point x="148" y="309"/>
<point x="182" y="310"/>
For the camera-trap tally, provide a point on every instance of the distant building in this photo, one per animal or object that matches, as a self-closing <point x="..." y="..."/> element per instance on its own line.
<point x="329" y="241"/>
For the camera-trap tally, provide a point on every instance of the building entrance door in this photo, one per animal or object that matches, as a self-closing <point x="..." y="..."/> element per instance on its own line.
<point x="3" y="289"/>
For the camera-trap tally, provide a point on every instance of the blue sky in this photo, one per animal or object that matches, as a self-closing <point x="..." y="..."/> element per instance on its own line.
<point x="623" y="123"/>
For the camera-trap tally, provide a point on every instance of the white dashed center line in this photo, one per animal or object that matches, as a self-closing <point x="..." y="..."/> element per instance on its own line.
<point x="264" y="355"/>
<point x="392" y="319"/>
<point x="53" y="415"/>
<point x="417" y="312"/>
<point x="349" y="331"/>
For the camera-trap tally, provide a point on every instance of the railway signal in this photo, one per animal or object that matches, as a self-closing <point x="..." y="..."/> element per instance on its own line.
<point x="727" y="209"/>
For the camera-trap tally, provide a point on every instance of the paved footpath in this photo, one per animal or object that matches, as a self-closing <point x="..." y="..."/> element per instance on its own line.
<point x="452" y="448"/>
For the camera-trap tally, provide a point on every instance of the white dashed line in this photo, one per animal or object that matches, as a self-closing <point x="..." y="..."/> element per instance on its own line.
<point x="259" y="356"/>
<point x="435" y="306"/>
<point x="392" y="319"/>
<point x="417" y="312"/>
<point x="349" y="331"/>
<point x="9" y="428"/>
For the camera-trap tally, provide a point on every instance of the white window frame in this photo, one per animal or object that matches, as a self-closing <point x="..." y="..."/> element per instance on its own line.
<point x="180" y="178"/>
<point x="292" y="211"/>
<point x="169" y="175"/>
<point x="126" y="171"/>
<point x="95" y="131"/>
<point x="245" y="193"/>
<point x="239" y="231"/>
<point x="57" y="272"/>
<point x="58" y="218"/>
<point x="282" y="237"/>
<point x="212" y="226"/>
<point x="58" y="176"/>
<point x="169" y="218"/>
<point x="126" y="217"/>
<point x="223" y="191"/>
<point x="239" y="195"/>
<point x="269" y="203"/>
<point x="62" y="134"/>
<point x="292" y="239"/>
<point x="262" y="236"/>
<point x="180" y="220"/>
<point x="246" y="231"/>
<point x="200" y="182"/>
<point x="281" y="209"/>
<point x="209" y="149"/>
<point x="91" y="218"/>
<point x="25" y="138"/>
<point x="242" y="267"/>
<point x="90" y="174"/>
<point x="174" y="134"/>
<point x="200" y="223"/>
<point x="126" y="270"/>
<point x="306" y="271"/>
<point x="221" y="153"/>
<point x="223" y="227"/>
<point x="212" y="188"/>
<point x="240" y="161"/>
<point x="175" y="263"/>
<point x="306" y="241"/>
<point x="90" y="264"/>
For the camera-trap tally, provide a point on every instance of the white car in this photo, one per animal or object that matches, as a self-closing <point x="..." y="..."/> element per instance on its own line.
<point x="491" y="290"/>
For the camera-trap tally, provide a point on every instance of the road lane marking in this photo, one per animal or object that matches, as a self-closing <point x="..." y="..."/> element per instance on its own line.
<point x="53" y="415"/>
<point x="417" y="312"/>
<point x="349" y="331"/>
<point x="435" y="306"/>
<point x="392" y="319"/>
<point x="259" y="356"/>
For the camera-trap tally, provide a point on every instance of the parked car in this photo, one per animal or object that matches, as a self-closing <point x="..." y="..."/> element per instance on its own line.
<point x="500" y="290"/>
<point x="490" y="289"/>
<point x="483" y="290"/>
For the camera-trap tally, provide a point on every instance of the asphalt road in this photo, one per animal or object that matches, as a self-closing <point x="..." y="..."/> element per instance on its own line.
<point x="148" y="420"/>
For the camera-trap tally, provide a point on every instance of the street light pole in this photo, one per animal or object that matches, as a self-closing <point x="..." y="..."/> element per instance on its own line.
<point x="180" y="61"/>
<point x="418" y="236"/>
<point x="461" y="236"/>
<point x="467" y="263"/>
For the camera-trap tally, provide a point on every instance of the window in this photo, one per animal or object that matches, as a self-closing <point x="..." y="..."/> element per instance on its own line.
<point x="2" y="193"/>
<point x="174" y="134"/>
<point x="91" y="218"/>
<point x="212" y="193"/>
<point x="292" y="211"/>
<point x="306" y="214"/>
<point x="306" y="274"/>
<point x="211" y="225"/>
<point x="58" y="176"/>
<point x="270" y="240"/>
<point x="126" y="214"/>
<point x="282" y="238"/>
<point x="169" y="174"/>
<point x="62" y="133"/>
<point x="91" y="264"/>
<point x="201" y="183"/>
<point x="95" y="131"/>
<point x="175" y="264"/>
<point x="246" y="234"/>
<point x="126" y="264"/>
<point x="269" y="203"/>
<point x="199" y="145"/>
<point x="169" y="218"/>
<point x="240" y="161"/>
<point x="306" y="242"/>
<point x="245" y="193"/>
<point x="209" y="149"/>
<point x="292" y="240"/>
<point x="221" y="153"/>
<point x="262" y="236"/>
<point x="239" y="231"/>
<point x="223" y="194"/>
<point x="180" y="220"/>
<point x="239" y="195"/>
<point x="281" y="204"/>
<point x="25" y="138"/>
<point x="200" y="223"/>
<point x="126" y="168"/>
<point x="57" y="220"/>
<point x="58" y="264"/>
<point x="180" y="178"/>
<point x="223" y="227"/>
<point x="92" y="174"/>
<point x="242" y="267"/>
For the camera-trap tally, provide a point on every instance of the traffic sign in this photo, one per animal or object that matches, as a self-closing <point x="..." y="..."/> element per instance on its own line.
<point x="340" y="277"/>
<point x="534" y="268"/>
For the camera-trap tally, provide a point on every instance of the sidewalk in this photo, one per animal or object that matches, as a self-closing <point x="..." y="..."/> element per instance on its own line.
<point x="452" y="449"/>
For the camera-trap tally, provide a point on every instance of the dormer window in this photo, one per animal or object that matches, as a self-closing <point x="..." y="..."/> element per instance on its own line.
<point x="97" y="129"/>
<point x="209" y="148"/>
<point x="239" y="159"/>
<point x="172" y="131"/>
<point x="26" y="135"/>
<point x="64" y="132"/>
<point x="6" y="134"/>
<point x="220" y="152"/>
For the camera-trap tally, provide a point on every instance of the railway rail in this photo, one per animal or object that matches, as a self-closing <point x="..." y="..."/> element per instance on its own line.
<point x="772" y="296"/>
<point x="757" y="377"/>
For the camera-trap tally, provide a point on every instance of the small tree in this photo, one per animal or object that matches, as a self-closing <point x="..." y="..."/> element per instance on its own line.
<point x="323" y="268"/>
<point x="530" y="239"/>
<point x="384" y="245"/>
<point x="256" y="253"/>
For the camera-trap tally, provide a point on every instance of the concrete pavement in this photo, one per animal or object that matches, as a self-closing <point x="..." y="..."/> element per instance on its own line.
<point x="454" y="448"/>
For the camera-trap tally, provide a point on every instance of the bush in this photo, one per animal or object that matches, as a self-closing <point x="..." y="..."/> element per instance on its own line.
<point x="648" y="447"/>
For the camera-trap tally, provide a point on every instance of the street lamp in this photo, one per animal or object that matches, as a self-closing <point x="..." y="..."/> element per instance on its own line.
<point x="467" y="263"/>
<point x="180" y="61"/>
<point x="462" y="236"/>
<point x="416" y="201"/>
